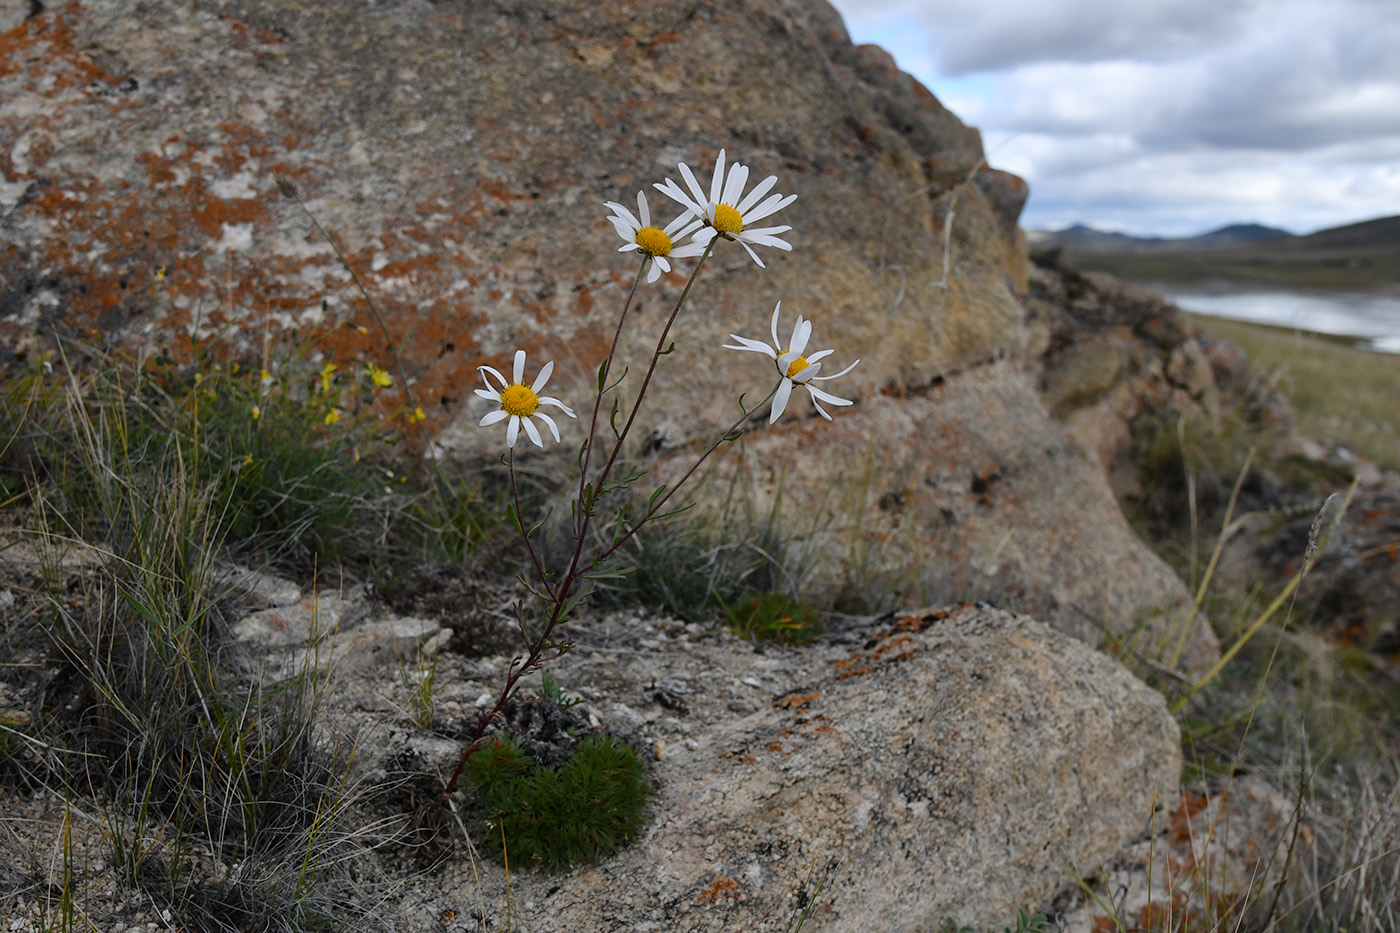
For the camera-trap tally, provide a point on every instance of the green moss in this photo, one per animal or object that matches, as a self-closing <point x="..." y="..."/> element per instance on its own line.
<point x="775" y="617"/>
<point x="591" y="806"/>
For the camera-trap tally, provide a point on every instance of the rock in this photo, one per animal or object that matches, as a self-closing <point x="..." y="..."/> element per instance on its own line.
<point x="259" y="589"/>
<point x="957" y="764"/>
<point x="305" y="622"/>
<point x="462" y="166"/>
<point x="964" y="490"/>
<point x="1214" y="854"/>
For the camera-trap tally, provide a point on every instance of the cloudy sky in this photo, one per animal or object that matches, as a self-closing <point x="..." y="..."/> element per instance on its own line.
<point x="1167" y="116"/>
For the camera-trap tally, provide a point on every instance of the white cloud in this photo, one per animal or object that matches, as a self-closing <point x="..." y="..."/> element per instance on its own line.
<point x="1168" y="116"/>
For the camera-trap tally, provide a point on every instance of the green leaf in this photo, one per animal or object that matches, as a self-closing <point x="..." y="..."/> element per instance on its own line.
<point x="669" y="350"/>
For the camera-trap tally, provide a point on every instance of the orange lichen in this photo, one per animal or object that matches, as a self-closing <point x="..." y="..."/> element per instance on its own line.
<point x="795" y="700"/>
<point x="722" y="892"/>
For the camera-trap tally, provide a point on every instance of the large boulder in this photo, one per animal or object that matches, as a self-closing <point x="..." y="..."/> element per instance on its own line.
<point x="958" y="763"/>
<point x="459" y="155"/>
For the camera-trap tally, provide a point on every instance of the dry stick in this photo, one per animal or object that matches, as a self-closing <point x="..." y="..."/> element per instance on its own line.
<point x="289" y="190"/>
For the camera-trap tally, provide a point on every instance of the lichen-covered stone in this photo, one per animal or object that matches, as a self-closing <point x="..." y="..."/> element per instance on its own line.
<point x="959" y="763"/>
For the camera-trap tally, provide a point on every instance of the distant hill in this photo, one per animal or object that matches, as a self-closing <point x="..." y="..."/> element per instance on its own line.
<point x="1359" y="255"/>
<point x="1086" y="239"/>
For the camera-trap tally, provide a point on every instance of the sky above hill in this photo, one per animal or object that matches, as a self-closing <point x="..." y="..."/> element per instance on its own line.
<point x="1167" y="117"/>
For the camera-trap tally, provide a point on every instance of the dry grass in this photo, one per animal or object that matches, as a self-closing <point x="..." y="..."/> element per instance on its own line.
<point x="1339" y="392"/>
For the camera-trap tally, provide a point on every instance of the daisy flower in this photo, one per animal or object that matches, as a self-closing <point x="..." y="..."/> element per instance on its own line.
<point x="793" y="367"/>
<point x="728" y="211"/>
<point x="653" y="242"/>
<point x="519" y="402"/>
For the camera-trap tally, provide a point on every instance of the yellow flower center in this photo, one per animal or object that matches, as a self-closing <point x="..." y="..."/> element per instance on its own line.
<point x="654" y="242"/>
<point x="727" y="219"/>
<point x="520" y="400"/>
<point x="796" y="366"/>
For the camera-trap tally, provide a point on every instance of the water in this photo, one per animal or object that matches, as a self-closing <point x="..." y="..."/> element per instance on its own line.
<point x="1372" y="316"/>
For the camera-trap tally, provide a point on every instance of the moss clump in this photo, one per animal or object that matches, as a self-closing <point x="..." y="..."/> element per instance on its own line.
<point x="589" y="807"/>
<point x="775" y="617"/>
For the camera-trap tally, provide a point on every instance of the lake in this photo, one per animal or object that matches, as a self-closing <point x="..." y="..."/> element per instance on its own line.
<point x="1372" y="316"/>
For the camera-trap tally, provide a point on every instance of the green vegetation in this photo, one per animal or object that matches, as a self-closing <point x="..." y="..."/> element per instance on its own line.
<point x="1338" y="392"/>
<point x="153" y="722"/>
<point x="553" y="819"/>
<point x="775" y="617"/>
<point x="1364" y="255"/>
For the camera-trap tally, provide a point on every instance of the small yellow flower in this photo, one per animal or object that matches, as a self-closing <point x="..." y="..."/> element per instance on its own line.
<point x="257" y="412"/>
<point x="160" y="274"/>
<point x="380" y="377"/>
<point x="332" y="417"/>
<point x="247" y="460"/>
<point x="327" y="372"/>
<point x="417" y="415"/>
<point x="266" y="378"/>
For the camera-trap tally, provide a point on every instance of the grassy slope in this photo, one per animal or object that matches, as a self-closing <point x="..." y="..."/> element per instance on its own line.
<point x="1364" y="255"/>
<point x="1338" y="391"/>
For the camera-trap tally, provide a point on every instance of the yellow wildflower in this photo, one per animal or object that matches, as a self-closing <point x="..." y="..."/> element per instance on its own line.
<point x="326" y="376"/>
<point x="332" y="417"/>
<point x="380" y="377"/>
<point x="257" y="412"/>
<point x="417" y="415"/>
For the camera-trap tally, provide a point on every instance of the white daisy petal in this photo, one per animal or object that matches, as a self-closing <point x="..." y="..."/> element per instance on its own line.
<point x="494" y="372"/>
<point x="801" y="335"/>
<point x="747" y="344"/>
<point x="545" y="371"/>
<point x="841" y="373"/>
<point x="780" y="399"/>
<point x="761" y="240"/>
<point x="766" y="231"/>
<point x="827" y="396"/>
<point x="653" y="273"/>
<point x="784" y="359"/>
<point x="518" y="402"/>
<point x="771" y="206"/>
<point x="682" y="226"/>
<point x="643" y="210"/>
<point x="738" y="177"/>
<point x="546" y="400"/>
<point x="623" y="215"/>
<point x="693" y="185"/>
<point x="718" y="180"/>
<point x="752" y="255"/>
<point x="688" y="250"/>
<point x="553" y="428"/>
<point x="759" y="191"/>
